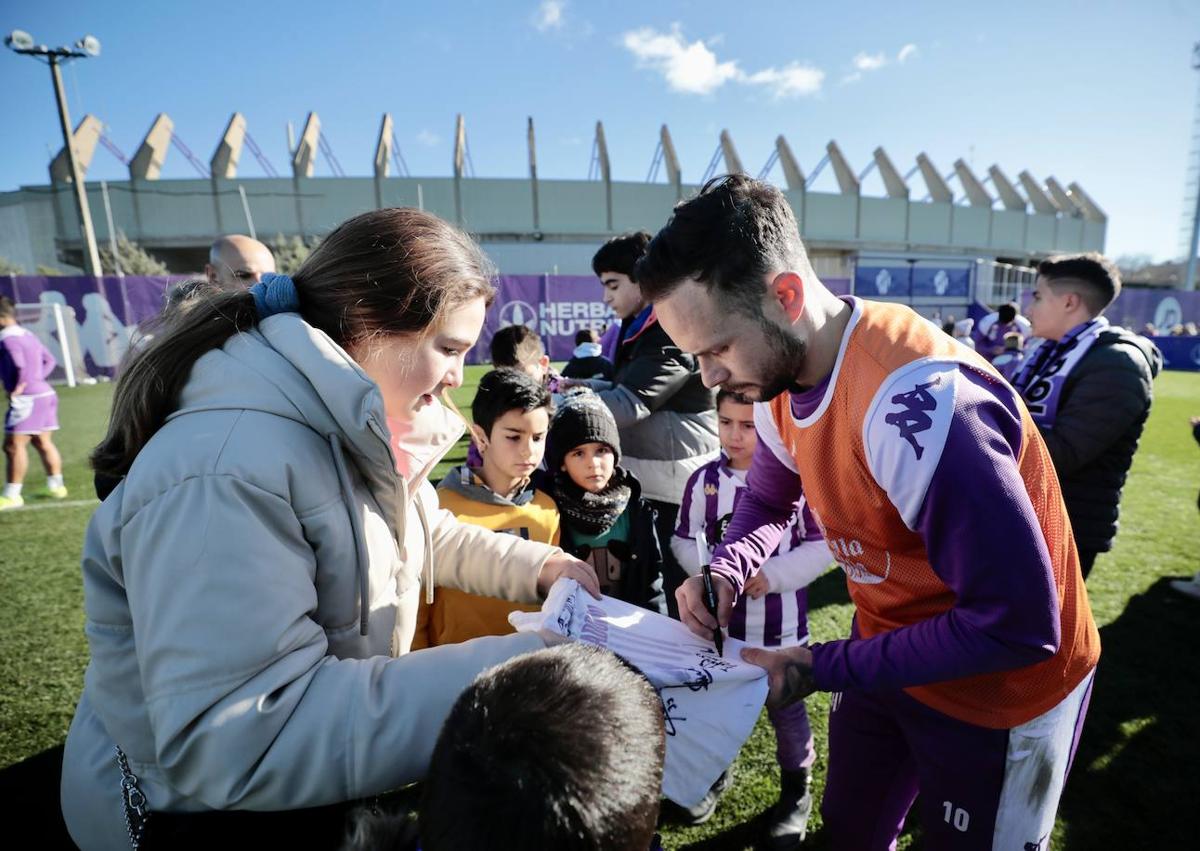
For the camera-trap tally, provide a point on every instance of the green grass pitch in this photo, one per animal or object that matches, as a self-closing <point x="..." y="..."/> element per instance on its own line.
<point x="1136" y="774"/>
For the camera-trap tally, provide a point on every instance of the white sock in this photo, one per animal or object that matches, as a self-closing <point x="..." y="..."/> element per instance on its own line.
<point x="54" y="481"/>
<point x="12" y="491"/>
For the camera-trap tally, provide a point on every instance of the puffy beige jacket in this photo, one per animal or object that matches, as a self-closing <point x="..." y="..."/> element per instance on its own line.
<point x="251" y="589"/>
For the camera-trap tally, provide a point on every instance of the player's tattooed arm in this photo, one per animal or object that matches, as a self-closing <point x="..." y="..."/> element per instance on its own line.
<point x="797" y="681"/>
<point x="789" y="673"/>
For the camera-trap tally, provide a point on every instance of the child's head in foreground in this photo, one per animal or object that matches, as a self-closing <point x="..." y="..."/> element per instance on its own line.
<point x="518" y="347"/>
<point x="562" y="748"/>
<point x="584" y="442"/>
<point x="511" y="415"/>
<point x="735" y="428"/>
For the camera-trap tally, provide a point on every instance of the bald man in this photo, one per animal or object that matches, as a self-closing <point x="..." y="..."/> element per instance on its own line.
<point x="238" y="261"/>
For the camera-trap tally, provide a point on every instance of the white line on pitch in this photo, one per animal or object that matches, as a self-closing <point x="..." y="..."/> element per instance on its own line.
<point x="42" y="506"/>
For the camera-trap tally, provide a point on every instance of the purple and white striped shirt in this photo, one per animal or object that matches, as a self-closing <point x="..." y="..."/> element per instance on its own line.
<point x="780" y="617"/>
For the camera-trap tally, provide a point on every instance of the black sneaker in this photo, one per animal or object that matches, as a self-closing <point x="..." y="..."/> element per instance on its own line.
<point x="703" y="811"/>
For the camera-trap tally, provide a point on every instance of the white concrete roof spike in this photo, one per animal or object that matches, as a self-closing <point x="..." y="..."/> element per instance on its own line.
<point x="1091" y="210"/>
<point x="892" y="181"/>
<point x="939" y="190"/>
<point x="1009" y="196"/>
<point x="1037" y="195"/>
<point x="846" y="178"/>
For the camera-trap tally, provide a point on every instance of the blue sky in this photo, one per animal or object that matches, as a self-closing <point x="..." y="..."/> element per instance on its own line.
<point x="1100" y="92"/>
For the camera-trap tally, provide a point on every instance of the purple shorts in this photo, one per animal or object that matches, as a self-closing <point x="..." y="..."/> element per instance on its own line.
<point x="32" y="414"/>
<point x="980" y="788"/>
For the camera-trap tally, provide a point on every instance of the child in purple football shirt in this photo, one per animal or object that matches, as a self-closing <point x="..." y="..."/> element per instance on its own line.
<point x="32" y="408"/>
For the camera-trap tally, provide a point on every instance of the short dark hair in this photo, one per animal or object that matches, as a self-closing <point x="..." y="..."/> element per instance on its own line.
<point x="621" y="254"/>
<point x="516" y="345"/>
<point x="8" y="307"/>
<point x="587" y="335"/>
<point x="724" y="394"/>
<point x="728" y="237"/>
<point x="504" y="390"/>
<point x="1006" y="313"/>
<point x="561" y="748"/>
<point x="1100" y="279"/>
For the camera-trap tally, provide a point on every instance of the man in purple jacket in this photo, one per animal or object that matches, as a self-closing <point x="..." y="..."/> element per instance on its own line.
<point x="32" y="408"/>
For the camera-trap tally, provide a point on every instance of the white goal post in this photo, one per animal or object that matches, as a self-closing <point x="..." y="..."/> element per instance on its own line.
<point x="55" y="325"/>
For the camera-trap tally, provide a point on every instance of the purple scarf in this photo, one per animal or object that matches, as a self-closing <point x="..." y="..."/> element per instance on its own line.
<point x="1041" y="381"/>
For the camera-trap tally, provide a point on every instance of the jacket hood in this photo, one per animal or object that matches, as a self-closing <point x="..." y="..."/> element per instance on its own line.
<point x="587" y="350"/>
<point x="289" y="369"/>
<point x="1116" y="334"/>
<point x="463" y="481"/>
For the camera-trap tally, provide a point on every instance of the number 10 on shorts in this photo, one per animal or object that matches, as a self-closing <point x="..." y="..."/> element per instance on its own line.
<point x="956" y="816"/>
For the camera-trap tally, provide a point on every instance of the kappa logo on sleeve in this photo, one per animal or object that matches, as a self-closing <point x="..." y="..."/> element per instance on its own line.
<point x="912" y="418"/>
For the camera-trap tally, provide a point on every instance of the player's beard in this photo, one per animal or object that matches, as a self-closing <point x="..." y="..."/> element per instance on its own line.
<point x="781" y="362"/>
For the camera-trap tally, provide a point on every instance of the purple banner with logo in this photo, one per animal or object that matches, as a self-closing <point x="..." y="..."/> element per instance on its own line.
<point x="883" y="281"/>
<point x="873" y="280"/>
<point x="106" y="312"/>
<point x="1179" y="352"/>
<point x="946" y="281"/>
<point x="555" y="307"/>
<point x="108" y="309"/>
<point x="1164" y="309"/>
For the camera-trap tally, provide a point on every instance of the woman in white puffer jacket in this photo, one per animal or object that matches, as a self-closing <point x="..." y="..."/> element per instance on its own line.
<point x="251" y="584"/>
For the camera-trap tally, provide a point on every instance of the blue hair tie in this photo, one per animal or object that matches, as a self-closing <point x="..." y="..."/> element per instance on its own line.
<point x="275" y="294"/>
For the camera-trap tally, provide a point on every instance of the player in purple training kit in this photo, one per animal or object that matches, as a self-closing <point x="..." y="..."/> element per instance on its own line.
<point x="32" y="408"/>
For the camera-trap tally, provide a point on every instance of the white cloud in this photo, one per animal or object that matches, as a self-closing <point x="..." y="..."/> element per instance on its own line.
<point x="869" y="62"/>
<point x="693" y="67"/>
<point x="549" y="15"/>
<point x="907" y="52"/>
<point x="852" y="78"/>
<point x="428" y="137"/>
<point x="794" y="80"/>
<point x="689" y="68"/>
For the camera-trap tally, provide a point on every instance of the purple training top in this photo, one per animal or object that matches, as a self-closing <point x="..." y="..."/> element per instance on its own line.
<point x="981" y="535"/>
<point x="24" y="360"/>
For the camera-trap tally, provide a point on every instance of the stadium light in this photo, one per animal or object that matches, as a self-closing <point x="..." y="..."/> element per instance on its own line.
<point x="19" y="40"/>
<point x="89" y="44"/>
<point x="22" y="42"/>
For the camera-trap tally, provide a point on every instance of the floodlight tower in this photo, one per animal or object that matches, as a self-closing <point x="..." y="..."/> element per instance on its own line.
<point x="1189" y="281"/>
<point x="20" y="41"/>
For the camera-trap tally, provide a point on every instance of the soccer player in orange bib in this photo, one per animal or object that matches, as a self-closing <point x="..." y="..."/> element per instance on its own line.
<point x="969" y="666"/>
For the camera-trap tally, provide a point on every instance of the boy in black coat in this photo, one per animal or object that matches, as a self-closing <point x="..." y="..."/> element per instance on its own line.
<point x="604" y="519"/>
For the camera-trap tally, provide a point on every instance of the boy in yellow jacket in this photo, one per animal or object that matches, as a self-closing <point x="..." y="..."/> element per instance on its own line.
<point x="511" y="414"/>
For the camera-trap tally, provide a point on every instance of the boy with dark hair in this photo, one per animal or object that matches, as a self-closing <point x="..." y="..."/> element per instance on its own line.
<point x="621" y="254"/>
<point x="968" y="669"/>
<point x="1089" y="387"/>
<point x="587" y="361"/>
<point x="605" y="520"/>
<point x="664" y="411"/>
<point x="32" y="415"/>
<point x="561" y="748"/>
<point x="511" y="414"/>
<point x="518" y="347"/>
